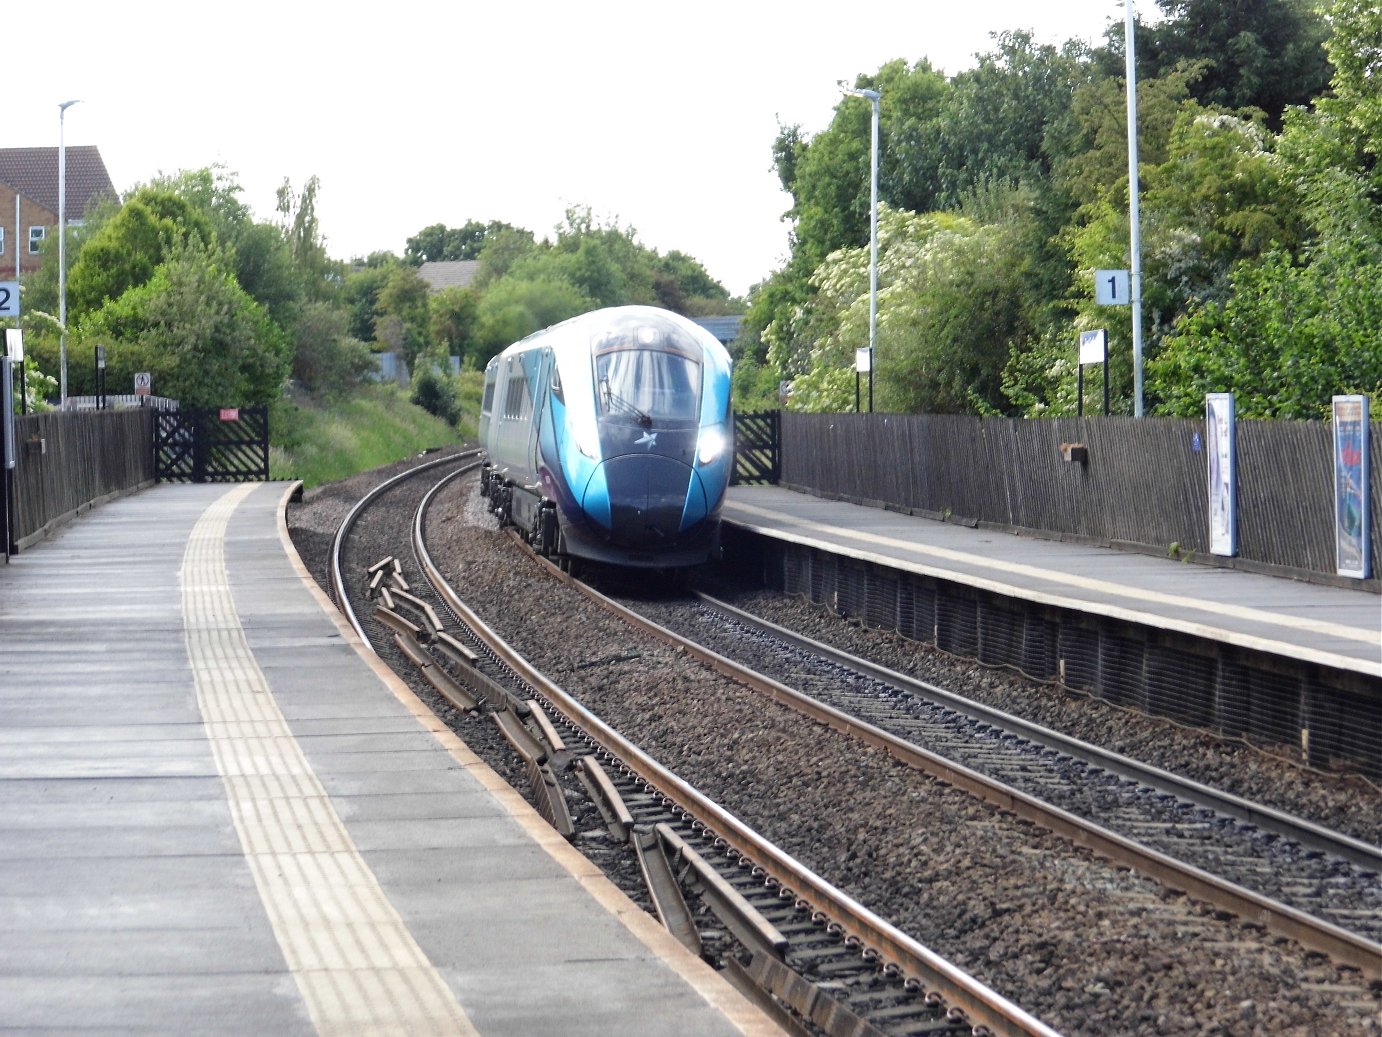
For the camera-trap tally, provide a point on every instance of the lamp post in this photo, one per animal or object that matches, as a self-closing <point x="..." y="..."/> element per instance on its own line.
<point x="62" y="254"/>
<point x="873" y="97"/>
<point x="1134" y="219"/>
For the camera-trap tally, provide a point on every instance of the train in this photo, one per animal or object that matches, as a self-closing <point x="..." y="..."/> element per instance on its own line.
<point x="609" y="438"/>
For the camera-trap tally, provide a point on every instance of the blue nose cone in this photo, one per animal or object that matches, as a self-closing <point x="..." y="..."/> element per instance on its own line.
<point x="647" y="498"/>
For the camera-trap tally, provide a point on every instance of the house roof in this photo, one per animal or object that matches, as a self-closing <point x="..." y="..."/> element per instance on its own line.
<point x="454" y="274"/>
<point x="33" y="172"/>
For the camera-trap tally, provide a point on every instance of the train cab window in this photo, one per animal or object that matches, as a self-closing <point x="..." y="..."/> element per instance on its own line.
<point x="487" y="405"/>
<point x="654" y="384"/>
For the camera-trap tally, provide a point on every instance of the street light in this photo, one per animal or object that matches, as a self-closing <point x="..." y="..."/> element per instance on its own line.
<point x="873" y="97"/>
<point x="62" y="254"/>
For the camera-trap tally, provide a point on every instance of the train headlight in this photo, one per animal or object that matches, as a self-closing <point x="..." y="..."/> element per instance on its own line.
<point x="712" y="444"/>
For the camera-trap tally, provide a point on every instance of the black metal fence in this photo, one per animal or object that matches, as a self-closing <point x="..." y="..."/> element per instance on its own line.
<point x="1123" y="481"/>
<point x="228" y="444"/>
<point x="757" y="447"/>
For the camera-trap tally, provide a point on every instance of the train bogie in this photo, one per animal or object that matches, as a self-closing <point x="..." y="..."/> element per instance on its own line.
<point x="609" y="438"/>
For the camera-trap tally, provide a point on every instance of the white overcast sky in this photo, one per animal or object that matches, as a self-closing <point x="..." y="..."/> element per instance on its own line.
<point x="660" y="117"/>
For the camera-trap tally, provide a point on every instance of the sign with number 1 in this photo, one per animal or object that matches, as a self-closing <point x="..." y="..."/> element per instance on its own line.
<point x="1111" y="288"/>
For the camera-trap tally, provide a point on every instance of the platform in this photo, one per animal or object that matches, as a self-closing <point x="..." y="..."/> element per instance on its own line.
<point x="217" y="816"/>
<point x="1333" y="627"/>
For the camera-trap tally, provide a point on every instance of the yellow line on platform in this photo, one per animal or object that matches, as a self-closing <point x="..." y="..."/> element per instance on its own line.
<point x="359" y="969"/>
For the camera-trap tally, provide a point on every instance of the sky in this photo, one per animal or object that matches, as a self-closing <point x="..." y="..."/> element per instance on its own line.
<point x="659" y="118"/>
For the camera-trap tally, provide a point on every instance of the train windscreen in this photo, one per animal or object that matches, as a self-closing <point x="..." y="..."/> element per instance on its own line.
<point x="648" y="383"/>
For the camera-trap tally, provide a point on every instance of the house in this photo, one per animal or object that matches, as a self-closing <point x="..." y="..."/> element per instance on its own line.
<point x="29" y="199"/>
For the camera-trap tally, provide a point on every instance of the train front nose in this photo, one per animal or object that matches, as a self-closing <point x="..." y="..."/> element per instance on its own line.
<point x="648" y="498"/>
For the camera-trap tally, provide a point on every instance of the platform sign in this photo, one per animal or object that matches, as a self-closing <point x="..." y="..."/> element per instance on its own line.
<point x="230" y="413"/>
<point x="14" y="344"/>
<point x="1220" y="437"/>
<point x="1111" y="288"/>
<point x="1094" y="346"/>
<point x="1352" y="526"/>
<point x="143" y="383"/>
<point x="9" y="298"/>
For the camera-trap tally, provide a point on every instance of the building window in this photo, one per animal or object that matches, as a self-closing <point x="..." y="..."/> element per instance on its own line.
<point x="35" y="239"/>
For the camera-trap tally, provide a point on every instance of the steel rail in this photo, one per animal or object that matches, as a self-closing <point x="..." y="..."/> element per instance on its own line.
<point x="1268" y="819"/>
<point x="1316" y="934"/>
<point x="981" y="1005"/>
<point x="335" y="578"/>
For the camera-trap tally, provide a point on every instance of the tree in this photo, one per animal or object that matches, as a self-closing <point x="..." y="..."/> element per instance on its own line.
<point x="403" y="320"/>
<point x="206" y="342"/>
<point x="1355" y="48"/>
<point x="1285" y="341"/>
<point x="1263" y="54"/>
<point x="513" y="309"/>
<point x="302" y="231"/>
<point x="131" y="245"/>
<point x="440" y="243"/>
<point x="454" y="314"/>
<point x="327" y="361"/>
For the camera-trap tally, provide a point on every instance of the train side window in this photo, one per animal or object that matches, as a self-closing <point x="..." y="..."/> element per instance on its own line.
<point x="487" y="406"/>
<point x="514" y="395"/>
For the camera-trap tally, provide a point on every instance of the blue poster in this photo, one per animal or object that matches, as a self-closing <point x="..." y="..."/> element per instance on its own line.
<point x="1352" y="529"/>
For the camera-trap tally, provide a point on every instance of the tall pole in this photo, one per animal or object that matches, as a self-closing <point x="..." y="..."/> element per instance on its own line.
<point x="62" y="255"/>
<point x="873" y="96"/>
<point x="1135" y="235"/>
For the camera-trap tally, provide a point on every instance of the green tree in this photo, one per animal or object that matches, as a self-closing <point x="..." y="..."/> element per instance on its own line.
<point x="1263" y="54"/>
<point x="301" y="229"/>
<point x="1286" y="340"/>
<point x="513" y="309"/>
<point x="454" y="313"/>
<point x="130" y="246"/>
<point x="403" y="318"/>
<point x="440" y="243"/>
<point x="206" y="342"/>
<point x="327" y="360"/>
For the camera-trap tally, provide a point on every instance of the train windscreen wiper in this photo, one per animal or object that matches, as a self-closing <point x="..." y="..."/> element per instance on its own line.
<point x="615" y="402"/>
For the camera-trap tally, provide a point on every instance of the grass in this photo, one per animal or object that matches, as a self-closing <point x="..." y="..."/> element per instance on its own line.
<point x="323" y="442"/>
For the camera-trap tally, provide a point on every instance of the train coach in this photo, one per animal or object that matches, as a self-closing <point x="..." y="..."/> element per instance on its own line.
<point x="609" y="438"/>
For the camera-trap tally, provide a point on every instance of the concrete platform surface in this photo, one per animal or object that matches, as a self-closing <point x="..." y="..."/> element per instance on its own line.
<point x="219" y="816"/>
<point x="1332" y="626"/>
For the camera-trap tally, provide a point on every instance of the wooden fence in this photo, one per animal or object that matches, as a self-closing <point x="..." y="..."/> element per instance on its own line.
<point x="1143" y="481"/>
<point x="66" y="462"/>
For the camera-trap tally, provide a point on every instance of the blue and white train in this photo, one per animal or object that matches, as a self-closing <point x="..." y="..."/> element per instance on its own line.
<point x="609" y="438"/>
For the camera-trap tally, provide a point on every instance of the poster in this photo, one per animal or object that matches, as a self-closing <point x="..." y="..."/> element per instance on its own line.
<point x="1219" y="439"/>
<point x="1352" y="528"/>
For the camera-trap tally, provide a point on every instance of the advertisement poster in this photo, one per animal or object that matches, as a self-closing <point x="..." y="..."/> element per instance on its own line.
<point x="1223" y="496"/>
<point x="1352" y="528"/>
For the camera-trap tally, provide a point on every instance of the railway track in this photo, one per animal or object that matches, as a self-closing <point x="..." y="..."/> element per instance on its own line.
<point x="1302" y="881"/>
<point x="902" y="985"/>
<point x="797" y="941"/>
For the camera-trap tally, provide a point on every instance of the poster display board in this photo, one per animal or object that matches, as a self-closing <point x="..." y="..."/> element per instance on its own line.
<point x="1223" y="478"/>
<point x="1352" y="522"/>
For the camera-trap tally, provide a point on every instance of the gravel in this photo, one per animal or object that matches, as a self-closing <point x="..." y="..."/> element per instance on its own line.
<point x="1088" y="948"/>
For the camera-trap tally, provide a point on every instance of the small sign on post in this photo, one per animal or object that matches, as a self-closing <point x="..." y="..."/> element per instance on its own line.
<point x="230" y="413"/>
<point x="143" y="383"/>
<point x="9" y="298"/>
<point x="1111" y="288"/>
<point x="1093" y="350"/>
